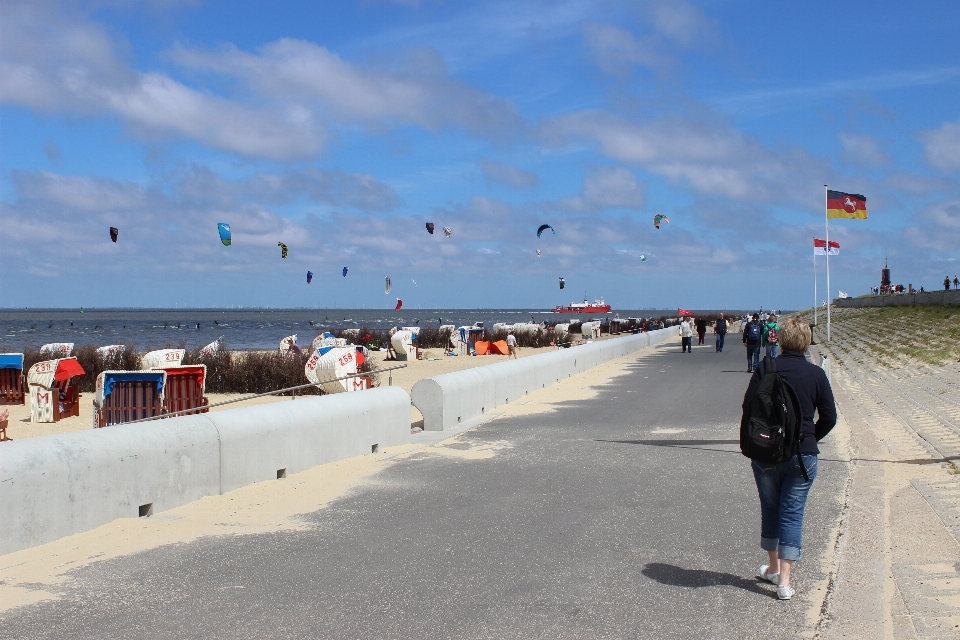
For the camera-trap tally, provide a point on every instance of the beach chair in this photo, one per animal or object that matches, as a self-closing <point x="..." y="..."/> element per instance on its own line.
<point x="184" y="389"/>
<point x="53" y="395"/>
<point x="125" y="396"/>
<point x="12" y="387"/>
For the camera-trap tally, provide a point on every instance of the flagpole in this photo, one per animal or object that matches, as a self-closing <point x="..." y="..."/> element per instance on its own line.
<point x="826" y="219"/>
<point x="815" y="281"/>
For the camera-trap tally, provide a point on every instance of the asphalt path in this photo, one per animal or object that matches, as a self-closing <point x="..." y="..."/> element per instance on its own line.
<point x="628" y="515"/>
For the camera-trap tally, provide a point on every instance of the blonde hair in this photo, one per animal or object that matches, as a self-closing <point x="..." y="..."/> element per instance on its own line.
<point x="794" y="335"/>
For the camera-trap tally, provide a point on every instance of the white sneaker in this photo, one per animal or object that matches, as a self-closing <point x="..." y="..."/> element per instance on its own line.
<point x="785" y="593"/>
<point x="769" y="577"/>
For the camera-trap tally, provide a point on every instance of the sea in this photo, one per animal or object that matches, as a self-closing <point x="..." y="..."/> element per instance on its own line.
<point x="243" y="328"/>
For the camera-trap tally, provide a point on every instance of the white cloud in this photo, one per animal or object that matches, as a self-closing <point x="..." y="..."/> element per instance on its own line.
<point x="863" y="150"/>
<point x="937" y="227"/>
<point x="710" y="156"/>
<point x="605" y="187"/>
<point x="419" y="92"/>
<point x="942" y="146"/>
<point x="508" y="174"/>
<point x="616" y="51"/>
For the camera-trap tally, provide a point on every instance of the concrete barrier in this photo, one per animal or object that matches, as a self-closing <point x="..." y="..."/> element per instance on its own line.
<point x="56" y="486"/>
<point x="59" y="485"/>
<point x="901" y="299"/>
<point x="288" y="437"/>
<point x="454" y="398"/>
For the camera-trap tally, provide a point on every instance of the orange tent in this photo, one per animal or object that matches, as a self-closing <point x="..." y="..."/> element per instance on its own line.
<point x="481" y="347"/>
<point x="500" y="346"/>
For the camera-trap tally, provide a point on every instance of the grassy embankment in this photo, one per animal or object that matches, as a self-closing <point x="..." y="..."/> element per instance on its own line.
<point x="893" y="336"/>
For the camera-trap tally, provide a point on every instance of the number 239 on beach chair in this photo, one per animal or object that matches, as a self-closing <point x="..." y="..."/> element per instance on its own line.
<point x="184" y="389"/>
<point x="11" y="379"/>
<point x="125" y="396"/>
<point x="52" y="396"/>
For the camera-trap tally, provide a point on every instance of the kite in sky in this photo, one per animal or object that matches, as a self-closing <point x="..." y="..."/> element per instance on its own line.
<point x="447" y="231"/>
<point x="309" y="277"/>
<point x="562" y="282"/>
<point x="643" y="258"/>
<point x="657" y="218"/>
<point x="543" y="228"/>
<point x="414" y="282"/>
<point x="345" y="269"/>
<point x="114" y="232"/>
<point x="283" y="250"/>
<point x="399" y="304"/>
<point x="430" y="228"/>
<point x="538" y="253"/>
<point x="386" y="284"/>
<point x="224" y="230"/>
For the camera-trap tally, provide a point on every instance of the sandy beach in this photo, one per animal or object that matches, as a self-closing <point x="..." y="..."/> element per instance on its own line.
<point x="433" y="363"/>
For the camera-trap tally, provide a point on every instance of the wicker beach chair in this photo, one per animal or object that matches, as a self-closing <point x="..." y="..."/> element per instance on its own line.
<point x="53" y="394"/>
<point x="12" y="385"/>
<point x="185" y="388"/>
<point x="125" y="396"/>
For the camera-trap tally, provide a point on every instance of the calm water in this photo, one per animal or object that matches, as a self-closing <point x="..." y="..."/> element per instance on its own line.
<point x="239" y="328"/>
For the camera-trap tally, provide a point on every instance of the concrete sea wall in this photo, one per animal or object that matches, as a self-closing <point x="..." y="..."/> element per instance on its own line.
<point x="55" y="486"/>
<point x="902" y="300"/>
<point x="454" y="398"/>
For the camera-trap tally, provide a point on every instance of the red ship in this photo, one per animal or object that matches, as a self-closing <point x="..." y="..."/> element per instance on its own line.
<point x="598" y="306"/>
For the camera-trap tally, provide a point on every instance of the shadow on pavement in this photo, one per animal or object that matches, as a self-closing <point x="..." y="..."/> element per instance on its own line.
<point x="679" y="577"/>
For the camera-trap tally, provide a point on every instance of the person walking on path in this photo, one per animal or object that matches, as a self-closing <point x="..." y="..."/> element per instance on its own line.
<point x="720" y="328"/>
<point x="752" y="333"/>
<point x="701" y="329"/>
<point x="771" y="337"/>
<point x="512" y="345"/>
<point x="956" y="282"/>
<point x="686" y="335"/>
<point x="946" y="283"/>
<point x="782" y="488"/>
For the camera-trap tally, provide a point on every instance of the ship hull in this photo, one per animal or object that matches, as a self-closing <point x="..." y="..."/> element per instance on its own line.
<point x="592" y="309"/>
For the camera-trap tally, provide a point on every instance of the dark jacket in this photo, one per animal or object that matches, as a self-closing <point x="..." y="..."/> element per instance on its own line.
<point x="701" y="326"/>
<point x="746" y="331"/>
<point x="813" y="390"/>
<point x="721" y="326"/>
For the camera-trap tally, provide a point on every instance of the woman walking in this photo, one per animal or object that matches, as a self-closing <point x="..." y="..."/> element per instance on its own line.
<point x="686" y="335"/>
<point x="782" y="487"/>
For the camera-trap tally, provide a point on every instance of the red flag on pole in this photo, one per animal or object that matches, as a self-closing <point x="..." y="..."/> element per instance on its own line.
<point x="820" y="247"/>
<point x="684" y="312"/>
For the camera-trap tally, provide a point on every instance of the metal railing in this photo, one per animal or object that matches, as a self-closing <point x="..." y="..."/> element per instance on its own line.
<point x="269" y="393"/>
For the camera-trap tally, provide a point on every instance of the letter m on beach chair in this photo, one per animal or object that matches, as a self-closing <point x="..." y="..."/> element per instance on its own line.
<point x="125" y="396"/>
<point x="12" y="389"/>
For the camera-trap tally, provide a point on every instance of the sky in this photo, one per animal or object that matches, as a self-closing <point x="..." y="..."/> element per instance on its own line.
<point x="341" y="128"/>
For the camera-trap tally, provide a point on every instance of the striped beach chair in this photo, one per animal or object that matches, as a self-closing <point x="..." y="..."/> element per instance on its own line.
<point x="125" y="396"/>
<point x="12" y="385"/>
<point x="185" y="388"/>
<point x="53" y="396"/>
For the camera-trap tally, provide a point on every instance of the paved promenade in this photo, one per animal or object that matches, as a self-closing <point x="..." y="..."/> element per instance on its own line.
<point x="626" y="512"/>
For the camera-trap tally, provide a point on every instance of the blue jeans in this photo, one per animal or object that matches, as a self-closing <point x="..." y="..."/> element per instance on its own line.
<point x="720" y="337"/>
<point x="753" y="355"/>
<point x="783" y="496"/>
<point x="773" y="350"/>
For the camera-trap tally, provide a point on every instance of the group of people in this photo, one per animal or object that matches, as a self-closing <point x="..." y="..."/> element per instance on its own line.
<point x="756" y="334"/>
<point x="946" y="283"/>
<point x="689" y="326"/>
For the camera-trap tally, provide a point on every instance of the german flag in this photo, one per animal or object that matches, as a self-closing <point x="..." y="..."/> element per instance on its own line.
<point x="846" y="205"/>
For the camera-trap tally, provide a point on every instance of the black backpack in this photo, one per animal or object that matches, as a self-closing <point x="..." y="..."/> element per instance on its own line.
<point x="770" y="427"/>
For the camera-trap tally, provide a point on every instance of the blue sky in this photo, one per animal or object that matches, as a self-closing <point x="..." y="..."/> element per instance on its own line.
<point x="340" y="128"/>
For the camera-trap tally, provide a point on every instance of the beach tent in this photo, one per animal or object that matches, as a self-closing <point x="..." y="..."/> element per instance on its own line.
<point x="11" y="379"/>
<point x="325" y="339"/>
<point x="481" y="347"/>
<point x="185" y="388"/>
<point x="590" y="330"/>
<point x="500" y="347"/>
<point x="57" y="349"/>
<point x="52" y="397"/>
<point x="125" y="396"/>
<point x="163" y="358"/>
